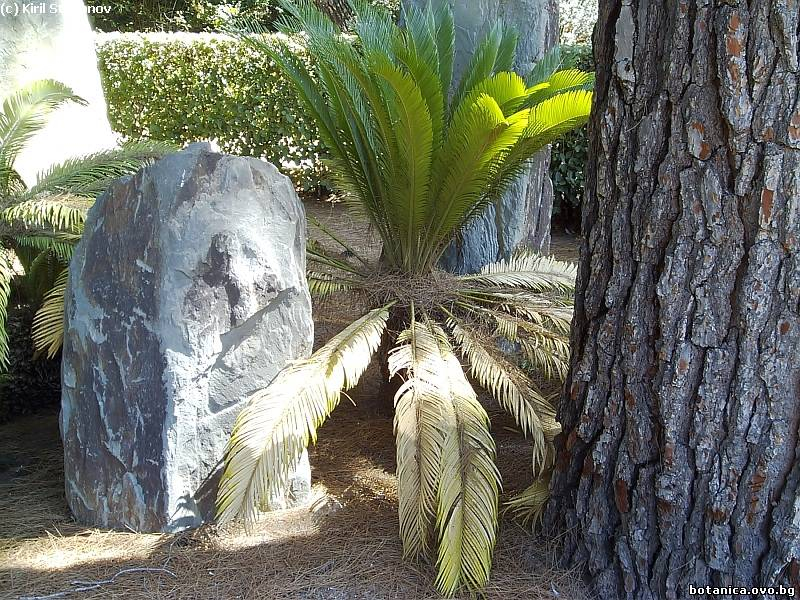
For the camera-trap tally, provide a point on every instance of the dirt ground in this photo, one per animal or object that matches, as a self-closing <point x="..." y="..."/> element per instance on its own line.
<point x="345" y="547"/>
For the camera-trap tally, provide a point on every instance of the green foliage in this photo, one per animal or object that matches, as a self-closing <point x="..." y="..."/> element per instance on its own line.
<point x="187" y="87"/>
<point x="419" y="166"/>
<point x="177" y="15"/>
<point x="28" y="384"/>
<point x="570" y="153"/>
<point x="39" y="225"/>
<point x="188" y="15"/>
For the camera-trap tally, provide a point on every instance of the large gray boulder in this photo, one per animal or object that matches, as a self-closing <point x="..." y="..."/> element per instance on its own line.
<point x="186" y="294"/>
<point x="53" y="40"/>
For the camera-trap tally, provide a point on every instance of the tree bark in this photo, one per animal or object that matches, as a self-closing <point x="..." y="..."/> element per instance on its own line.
<point x="526" y="209"/>
<point x="338" y="10"/>
<point x="677" y="465"/>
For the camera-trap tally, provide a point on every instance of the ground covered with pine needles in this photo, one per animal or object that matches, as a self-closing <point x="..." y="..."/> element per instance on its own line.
<point x="345" y="547"/>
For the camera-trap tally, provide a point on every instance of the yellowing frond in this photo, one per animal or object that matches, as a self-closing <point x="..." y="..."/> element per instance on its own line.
<point x="529" y="271"/>
<point x="418" y="433"/>
<point x="48" y="322"/>
<point x="508" y="386"/>
<point x="278" y="422"/>
<point x="529" y="504"/>
<point x="323" y="285"/>
<point x="468" y="494"/>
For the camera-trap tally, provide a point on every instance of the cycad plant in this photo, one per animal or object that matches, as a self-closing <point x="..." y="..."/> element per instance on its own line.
<point x="419" y="160"/>
<point x="39" y="225"/>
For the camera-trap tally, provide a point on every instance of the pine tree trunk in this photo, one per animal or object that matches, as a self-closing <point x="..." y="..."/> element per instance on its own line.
<point x="338" y="10"/>
<point x="677" y="465"/>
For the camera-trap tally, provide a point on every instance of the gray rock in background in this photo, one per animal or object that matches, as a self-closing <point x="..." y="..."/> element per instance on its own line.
<point x="186" y="294"/>
<point x="53" y="40"/>
<point x="527" y="207"/>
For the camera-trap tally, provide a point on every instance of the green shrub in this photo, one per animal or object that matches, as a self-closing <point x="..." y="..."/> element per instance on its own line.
<point x="569" y="154"/>
<point x="186" y="87"/>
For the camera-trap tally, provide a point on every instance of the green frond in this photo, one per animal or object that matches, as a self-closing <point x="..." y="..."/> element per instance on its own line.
<point x="553" y="117"/>
<point x="561" y="82"/>
<point x="91" y="175"/>
<point x="445" y="44"/>
<point x="478" y="133"/>
<point x="47" y="331"/>
<point x="64" y="212"/>
<point x="415" y="135"/>
<point x="544" y="69"/>
<point x="278" y="422"/>
<point x="418" y="52"/>
<point x="527" y="270"/>
<point x="547" y="121"/>
<point x="494" y="53"/>
<point x="60" y="245"/>
<point x="7" y="273"/>
<point x="528" y="506"/>
<point x="24" y="114"/>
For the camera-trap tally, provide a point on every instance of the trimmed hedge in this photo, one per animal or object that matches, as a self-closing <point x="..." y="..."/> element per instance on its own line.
<point x="184" y="87"/>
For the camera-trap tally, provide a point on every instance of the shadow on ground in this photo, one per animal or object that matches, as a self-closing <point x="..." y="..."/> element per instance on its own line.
<point x="346" y="547"/>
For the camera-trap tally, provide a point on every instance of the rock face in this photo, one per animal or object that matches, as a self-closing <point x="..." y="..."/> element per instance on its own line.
<point x="186" y="294"/>
<point x="53" y="40"/>
<point x="527" y="207"/>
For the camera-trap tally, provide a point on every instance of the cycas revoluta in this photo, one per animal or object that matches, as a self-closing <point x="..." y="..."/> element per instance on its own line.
<point x="419" y="162"/>
<point x="40" y="225"/>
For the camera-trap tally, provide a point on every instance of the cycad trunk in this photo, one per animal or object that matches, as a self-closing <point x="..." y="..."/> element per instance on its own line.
<point x="677" y="465"/>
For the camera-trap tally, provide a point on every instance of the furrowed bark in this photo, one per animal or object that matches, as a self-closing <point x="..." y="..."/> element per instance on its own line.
<point x="677" y="465"/>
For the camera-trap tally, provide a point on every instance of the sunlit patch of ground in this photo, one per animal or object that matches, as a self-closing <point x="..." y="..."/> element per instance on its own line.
<point x="346" y="547"/>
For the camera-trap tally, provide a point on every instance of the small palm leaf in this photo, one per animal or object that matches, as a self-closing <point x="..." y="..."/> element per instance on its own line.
<point x="48" y="322"/>
<point x="275" y="427"/>
<point x="24" y="114"/>
<point x="7" y="273"/>
<point x="63" y="212"/>
<point x="528" y="505"/>
<point x="91" y="175"/>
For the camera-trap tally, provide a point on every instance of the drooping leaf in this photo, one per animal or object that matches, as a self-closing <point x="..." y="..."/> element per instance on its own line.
<point x="275" y="427"/>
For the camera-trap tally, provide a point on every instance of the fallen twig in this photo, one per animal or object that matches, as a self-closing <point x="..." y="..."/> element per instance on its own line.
<point x="88" y="586"/>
